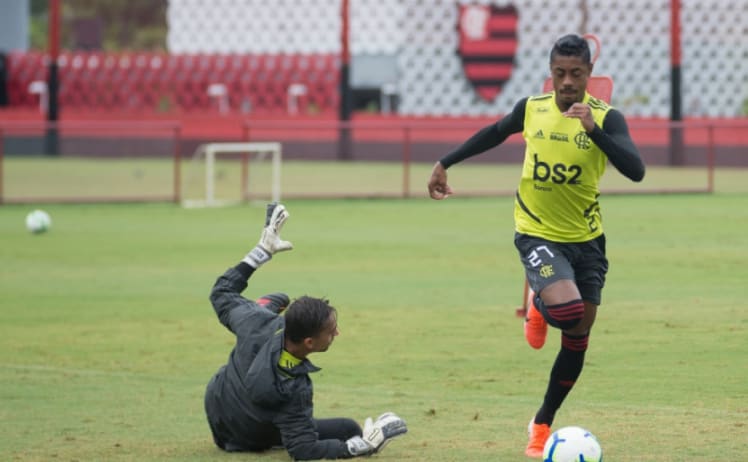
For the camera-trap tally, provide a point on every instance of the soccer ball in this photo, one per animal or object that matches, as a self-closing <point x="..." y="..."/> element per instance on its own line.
<point x="572" y="444"/>
<point x="38" y="221"/>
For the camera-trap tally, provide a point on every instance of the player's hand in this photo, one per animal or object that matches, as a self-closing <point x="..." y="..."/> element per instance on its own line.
<point x="270" y="240"/>
<point x="582" y="112"/>
<point x="389" y="424"/>
<point x="379" y="432"/>
<point x="357" y="446"/>
<point x="438" y="187"/>
<point x="376" y="434"/>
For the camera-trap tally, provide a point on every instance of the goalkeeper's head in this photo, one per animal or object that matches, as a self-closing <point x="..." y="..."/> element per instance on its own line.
<point x="311" y="324"/>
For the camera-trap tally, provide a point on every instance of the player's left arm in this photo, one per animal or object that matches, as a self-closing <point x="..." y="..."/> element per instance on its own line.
<point x="615" y="141"/>
<point x="230" y="306"/>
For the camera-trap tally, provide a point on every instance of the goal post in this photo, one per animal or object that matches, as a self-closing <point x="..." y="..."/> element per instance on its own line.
<point x="211" y="151"/>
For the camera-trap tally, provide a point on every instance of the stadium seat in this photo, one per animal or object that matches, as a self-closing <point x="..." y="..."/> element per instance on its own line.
<point x="152" y="81"/>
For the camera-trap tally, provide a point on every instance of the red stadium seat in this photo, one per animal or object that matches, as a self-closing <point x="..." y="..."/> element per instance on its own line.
<point x="145" y="81"/>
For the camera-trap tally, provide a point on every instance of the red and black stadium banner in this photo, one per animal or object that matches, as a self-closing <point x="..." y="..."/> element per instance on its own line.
<point x="488" y="43"/>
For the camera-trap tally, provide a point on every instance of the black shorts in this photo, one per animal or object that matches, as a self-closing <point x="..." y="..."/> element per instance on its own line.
<point x="546" y="262"/>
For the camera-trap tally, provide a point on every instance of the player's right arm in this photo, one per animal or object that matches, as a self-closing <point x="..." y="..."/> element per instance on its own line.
<point x="299" y="435"/>
<point x="486" y="138"/>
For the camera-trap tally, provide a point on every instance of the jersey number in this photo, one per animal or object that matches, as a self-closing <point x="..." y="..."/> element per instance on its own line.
<point x="534" y="257"/>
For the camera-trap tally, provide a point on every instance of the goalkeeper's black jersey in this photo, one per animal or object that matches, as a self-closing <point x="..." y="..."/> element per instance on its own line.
<point x="252" y="394"/>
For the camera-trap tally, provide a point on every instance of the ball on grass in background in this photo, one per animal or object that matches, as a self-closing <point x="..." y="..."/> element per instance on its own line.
<point x="38" y="221"/>
<point x="572" y="444"/>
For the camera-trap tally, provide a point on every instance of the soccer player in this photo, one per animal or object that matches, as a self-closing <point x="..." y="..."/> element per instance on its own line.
<point x="570" y="136"/>
<point x="262" y="398"/>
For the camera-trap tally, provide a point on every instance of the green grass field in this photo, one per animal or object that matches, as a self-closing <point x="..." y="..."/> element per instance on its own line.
<point x="107" y="338"/>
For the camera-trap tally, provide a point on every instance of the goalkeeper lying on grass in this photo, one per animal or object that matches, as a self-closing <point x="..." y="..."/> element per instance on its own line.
<point x="263" y="397"/>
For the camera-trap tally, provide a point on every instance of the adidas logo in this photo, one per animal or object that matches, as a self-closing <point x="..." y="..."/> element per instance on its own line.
<point x="539" y="134"/>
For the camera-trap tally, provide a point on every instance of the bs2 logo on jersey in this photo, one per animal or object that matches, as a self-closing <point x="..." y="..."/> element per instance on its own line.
<point x="559" y="173"/>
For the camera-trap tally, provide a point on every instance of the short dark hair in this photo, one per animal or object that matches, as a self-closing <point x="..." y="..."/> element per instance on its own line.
<point x="306" y="317"/>
<point x="572" y="45"/>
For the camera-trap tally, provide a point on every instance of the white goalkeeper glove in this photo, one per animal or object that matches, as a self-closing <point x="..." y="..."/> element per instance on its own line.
<point x="270" y="240"/>
<point x="376" y="434"/>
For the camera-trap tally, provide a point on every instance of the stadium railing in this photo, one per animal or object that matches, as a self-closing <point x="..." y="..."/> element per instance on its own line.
<point x="156" y="151"/>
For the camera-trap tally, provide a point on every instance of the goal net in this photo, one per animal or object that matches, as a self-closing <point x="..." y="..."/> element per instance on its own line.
<point x="222" y="174"/>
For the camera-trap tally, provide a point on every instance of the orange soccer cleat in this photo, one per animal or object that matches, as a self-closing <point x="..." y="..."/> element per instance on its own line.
<point x="536" y="327"/>
<point x="538" y="434"/>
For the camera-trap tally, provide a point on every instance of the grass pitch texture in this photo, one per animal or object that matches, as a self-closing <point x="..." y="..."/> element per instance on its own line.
<point x="107" y="338"/>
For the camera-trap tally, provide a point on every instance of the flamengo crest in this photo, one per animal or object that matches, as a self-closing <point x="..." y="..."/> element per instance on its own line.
<point x="488" y="43"/>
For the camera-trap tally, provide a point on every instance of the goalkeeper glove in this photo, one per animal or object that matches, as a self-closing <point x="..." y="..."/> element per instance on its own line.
<point x="270" y="240"/>
<point x="357" y="446"/>
<point x="376" y="434"/>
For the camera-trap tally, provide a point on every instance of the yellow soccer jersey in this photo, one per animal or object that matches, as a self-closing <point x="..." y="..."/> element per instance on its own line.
<point x="557" y="194"/>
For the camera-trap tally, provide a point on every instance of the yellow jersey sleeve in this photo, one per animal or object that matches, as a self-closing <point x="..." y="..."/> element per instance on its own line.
<point x="557" y="194"/>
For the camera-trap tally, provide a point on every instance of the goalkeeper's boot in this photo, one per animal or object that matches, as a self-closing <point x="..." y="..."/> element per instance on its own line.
<point x="538" y="434"/>
<point x="536" y="327"/>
